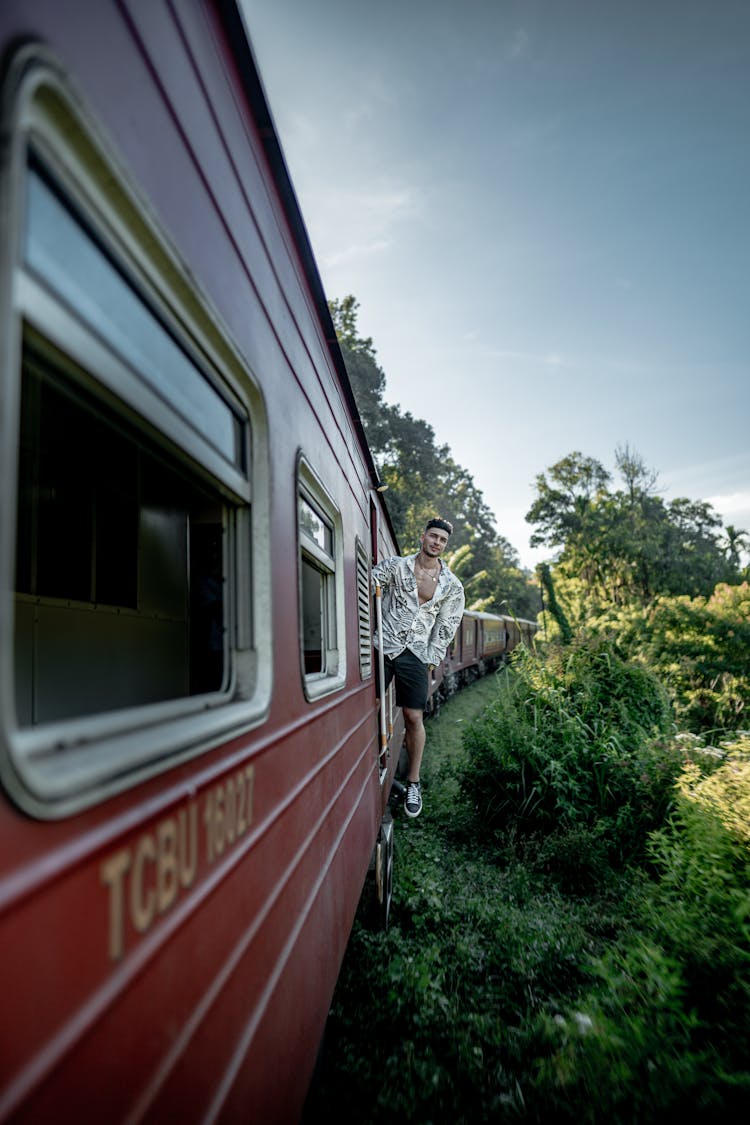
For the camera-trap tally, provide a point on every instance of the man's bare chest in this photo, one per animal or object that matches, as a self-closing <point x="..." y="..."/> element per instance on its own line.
<point x="426" y="584"/>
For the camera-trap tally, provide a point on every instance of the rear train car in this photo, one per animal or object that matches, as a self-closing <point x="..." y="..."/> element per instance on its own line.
<point x="192" y="782"/>
<point x="483" y="641"/>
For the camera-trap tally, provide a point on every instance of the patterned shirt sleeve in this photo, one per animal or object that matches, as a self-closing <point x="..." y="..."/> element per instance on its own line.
<point x="382" y="572"/>
<point x="447" y="621"/>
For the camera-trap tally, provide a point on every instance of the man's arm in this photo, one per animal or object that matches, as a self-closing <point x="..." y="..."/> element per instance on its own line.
<point x="382" y="573"/>
<point x="447" y="621"/>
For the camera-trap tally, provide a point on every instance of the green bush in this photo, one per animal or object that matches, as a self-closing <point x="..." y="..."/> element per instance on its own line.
<point x="699" y="648"/>
<point x="575" y="745"/>
<point x="622" y="1052"/>
<point x="700" y="908"/>
<point x="495" y="997"/>
<point x="665" y="1030"/>
<point x="575" y="857"/>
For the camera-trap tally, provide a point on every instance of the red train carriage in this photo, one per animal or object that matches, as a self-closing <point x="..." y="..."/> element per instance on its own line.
<point x="191" y="774"/>
<point x="464" y="660"/>
<point x="463" y="652"/>
<point x="482" y="642"/>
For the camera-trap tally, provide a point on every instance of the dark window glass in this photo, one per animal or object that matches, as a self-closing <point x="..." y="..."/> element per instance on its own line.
<point x="313" y="618"/>
<point x="119" y="559"/>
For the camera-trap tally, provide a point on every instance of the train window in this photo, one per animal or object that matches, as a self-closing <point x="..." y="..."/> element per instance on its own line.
<point x="363" y="613"/>
<point x="321" y="590"/>
<point x="105" y="522"/>
<point x="133" y="623"/>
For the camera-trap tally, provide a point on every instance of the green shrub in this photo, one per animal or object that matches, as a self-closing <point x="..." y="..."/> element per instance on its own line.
<point x="426" y="1016"/>
<point x="622" y="1052"/>
<point x="494" y="997"/>
<point x="699" y="647"/>
<point x="700" y="908"/>
<point x="575" y="857"/>
<point x="576" y="740"/>
<point x="665" y="1030"/>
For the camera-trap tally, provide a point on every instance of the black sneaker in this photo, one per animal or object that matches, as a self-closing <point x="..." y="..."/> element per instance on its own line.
<point x="413" y="802"/>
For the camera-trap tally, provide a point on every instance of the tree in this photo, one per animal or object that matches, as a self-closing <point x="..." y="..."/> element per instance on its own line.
<point x="365" y="375"/>
<point x="547" y="584"/>
<point x="736" y="540"/>
<point x="564" y="502"/>
<point x="344" y="316"/>
<point x="693" y="545"/>
<point x="698" y="646"/>
<point x="461" y="562"/>
<point x="623" y="544"/>
<point x="640" y="481"/>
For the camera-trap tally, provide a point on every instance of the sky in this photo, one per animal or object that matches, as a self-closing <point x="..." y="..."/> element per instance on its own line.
<point x="542" y="207"/>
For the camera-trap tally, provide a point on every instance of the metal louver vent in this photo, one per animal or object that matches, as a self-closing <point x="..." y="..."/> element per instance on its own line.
<point x="363" y="613"/>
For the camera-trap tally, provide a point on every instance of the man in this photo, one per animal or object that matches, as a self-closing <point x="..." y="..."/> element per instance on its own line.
<point x="422" y="605"/>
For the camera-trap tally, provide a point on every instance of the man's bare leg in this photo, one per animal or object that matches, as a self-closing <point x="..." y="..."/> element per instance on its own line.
<point x="415" y="740"/>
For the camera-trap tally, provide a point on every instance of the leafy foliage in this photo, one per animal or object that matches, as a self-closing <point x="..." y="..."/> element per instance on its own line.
<point x="425" y="1018"/>
<point x="699" y="648"/>
<point x="573" y="741"/>
<point x="558" y="613"/>
<point x="664" y="1030"/>
<point x="627" y="545"/>
<point x="571" y="925"/>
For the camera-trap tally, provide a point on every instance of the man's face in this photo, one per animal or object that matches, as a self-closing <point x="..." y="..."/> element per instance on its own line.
<point x="434" y="541"/>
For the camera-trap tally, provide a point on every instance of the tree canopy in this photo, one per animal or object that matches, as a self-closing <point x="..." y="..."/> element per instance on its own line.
<point x="627" y="543"/>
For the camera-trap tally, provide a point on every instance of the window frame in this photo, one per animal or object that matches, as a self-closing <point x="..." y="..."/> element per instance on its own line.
<point x="60" y="767"/>
<point x="332" y="676"/>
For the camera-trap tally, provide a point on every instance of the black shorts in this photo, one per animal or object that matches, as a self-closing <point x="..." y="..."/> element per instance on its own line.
<point x="412" y="682"/>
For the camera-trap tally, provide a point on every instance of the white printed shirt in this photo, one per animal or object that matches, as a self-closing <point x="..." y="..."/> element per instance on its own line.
<point x="425" y="629"/>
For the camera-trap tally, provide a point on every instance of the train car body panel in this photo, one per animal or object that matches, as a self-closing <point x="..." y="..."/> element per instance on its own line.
<point x="494" y="636"/>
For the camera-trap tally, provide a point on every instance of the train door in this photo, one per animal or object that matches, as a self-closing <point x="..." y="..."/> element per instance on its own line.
<point x="385" y="705"/>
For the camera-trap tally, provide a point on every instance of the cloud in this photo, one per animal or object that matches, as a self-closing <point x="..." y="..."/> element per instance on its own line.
<point x="731" y="502"/>
<point x="519" y="43"/>
<point x="354" y="251"/>
<point x="733" y="507"/>
<point x="392" y="203"/>
<point x="355" y="115"/>
<point x="302" y="132"/>
<point x="552" y="359"/>
<point x="358" y="225"/>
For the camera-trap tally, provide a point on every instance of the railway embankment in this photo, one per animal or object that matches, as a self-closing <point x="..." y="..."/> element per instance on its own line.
<point x="568" y="936"/>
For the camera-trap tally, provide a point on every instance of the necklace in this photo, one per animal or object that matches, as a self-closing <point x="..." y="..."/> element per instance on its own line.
<point x="431" y="573"/>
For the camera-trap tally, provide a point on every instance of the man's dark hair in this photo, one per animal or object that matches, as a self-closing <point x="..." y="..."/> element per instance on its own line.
<point x="442" y="524"/>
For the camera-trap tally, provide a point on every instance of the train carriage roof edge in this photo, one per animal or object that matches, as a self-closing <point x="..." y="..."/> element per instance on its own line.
<point x="239" y="44"/>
